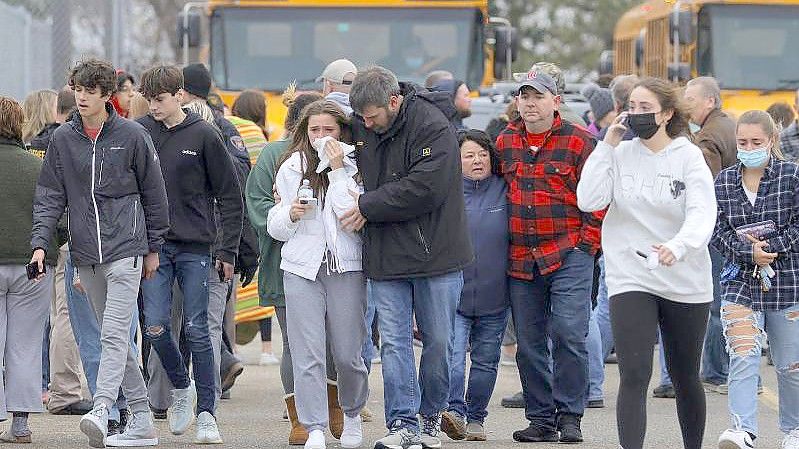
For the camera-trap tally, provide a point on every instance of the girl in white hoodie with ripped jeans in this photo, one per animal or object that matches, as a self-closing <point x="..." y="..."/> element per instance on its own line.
<point x="323" y="280"/>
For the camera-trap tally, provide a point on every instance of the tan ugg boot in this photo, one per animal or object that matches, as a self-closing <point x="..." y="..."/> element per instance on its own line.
<point x="335" y="415"/>
<point x="298" y="435"/>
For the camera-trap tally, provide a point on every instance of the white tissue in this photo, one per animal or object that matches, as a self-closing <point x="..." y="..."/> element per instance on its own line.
<point x="319" y="145"/>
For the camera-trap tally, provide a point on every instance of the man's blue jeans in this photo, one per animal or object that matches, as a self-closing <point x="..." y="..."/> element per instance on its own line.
<point x="86" y="330"/>
<point x="554" y="307"/>
<point x="368" y="350"/>
<point x="191" y="271"/>
<point x="484" y="335"/>
<point x="434" y="301"/>
<point x="715" y="360"/>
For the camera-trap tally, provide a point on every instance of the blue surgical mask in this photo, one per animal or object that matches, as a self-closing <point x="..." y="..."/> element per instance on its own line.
<point x="753" y="158"/>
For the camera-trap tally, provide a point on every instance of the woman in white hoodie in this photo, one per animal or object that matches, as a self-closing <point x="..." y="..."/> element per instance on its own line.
<point x="661" y="212"/>
<point x="321" y="262"/>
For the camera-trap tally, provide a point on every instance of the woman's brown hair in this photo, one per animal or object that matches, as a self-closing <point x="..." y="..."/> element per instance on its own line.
<point x="767" y="124"/>
<point x="11" y="119"/>
<point x="668" y="95"/>
<point x="251" y="105"/>
<point x="302" y="145"/>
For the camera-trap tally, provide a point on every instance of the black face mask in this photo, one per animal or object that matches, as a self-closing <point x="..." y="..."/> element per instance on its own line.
<point x="643" y="125"/>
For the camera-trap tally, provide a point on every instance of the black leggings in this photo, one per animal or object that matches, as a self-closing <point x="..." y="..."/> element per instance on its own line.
<point x="635" y="317"/>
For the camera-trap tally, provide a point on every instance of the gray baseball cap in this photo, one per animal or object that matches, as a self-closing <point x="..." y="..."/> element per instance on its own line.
<point x="538" y="80"/>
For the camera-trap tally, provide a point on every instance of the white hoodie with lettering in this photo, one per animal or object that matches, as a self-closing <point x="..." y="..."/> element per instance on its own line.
<point x="653" y="198"/>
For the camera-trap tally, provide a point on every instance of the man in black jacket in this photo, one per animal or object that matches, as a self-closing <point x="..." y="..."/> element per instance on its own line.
<point x="197" y="172"/>
<point x="415" y="242"/>
<point x="105" y="171"/>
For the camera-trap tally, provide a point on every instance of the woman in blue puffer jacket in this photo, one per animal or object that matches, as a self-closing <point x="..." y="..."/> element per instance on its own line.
<point x="483" y="310"/>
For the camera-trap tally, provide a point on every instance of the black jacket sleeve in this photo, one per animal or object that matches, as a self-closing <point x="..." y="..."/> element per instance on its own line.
<point x="152" y="190"/>
<point x="435" y="164"/>
<point x="225" y="189"/>
<point x="50" y="199"/>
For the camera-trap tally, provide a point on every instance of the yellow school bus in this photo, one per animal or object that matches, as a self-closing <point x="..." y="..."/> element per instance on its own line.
<point x="747" y="45"/>
<point x="266" y="44"/>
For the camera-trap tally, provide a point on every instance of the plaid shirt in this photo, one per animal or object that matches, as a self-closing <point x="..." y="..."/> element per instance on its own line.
<point x="789" y="142"/>
<point x="545" y="223"/>
<point x="778" y="201"/>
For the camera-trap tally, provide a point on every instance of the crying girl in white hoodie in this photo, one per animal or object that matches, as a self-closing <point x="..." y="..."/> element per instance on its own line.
<point x="323" y="280"/>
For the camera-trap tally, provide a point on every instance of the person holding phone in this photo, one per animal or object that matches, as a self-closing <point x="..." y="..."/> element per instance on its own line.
<point x="24" y="304"/>
<point x="756" y="231"/>
<point x="323" y="280"/>
<point x="659" y="194"/>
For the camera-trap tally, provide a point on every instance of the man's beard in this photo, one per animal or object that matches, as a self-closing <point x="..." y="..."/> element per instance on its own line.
<point x="392" y="116"/>
<point x="464" y="113"/>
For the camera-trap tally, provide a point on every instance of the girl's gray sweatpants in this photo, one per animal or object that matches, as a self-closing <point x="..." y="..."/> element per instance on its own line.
<point x="335" y="301"/>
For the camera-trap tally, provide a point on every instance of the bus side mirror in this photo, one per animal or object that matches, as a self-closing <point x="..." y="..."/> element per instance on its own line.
<point x="606" y="62"/>
<point x="680" y="72"/>
<point x="506" y="48"/>
<point x="682" y="22"/>
<point x="189" y="26"/>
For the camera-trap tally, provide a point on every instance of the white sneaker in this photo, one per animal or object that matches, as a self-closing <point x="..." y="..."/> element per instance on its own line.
<point x="316" y="440"/>
<point x="268" y="359"/>
<point x="207" y="430"/>
<point x="139" y="432"/>
<point x="735" y="439"/>
<point x="791" y="440"/>
<point x="352" y="435"/>
<point x="181" y="413"/>
<point x="95" y="425"/>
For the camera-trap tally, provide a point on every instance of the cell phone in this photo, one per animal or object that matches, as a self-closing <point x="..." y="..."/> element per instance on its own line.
<point x="309" y="214"/>
<point x="32" y="269"/>
<point x="221" y="272"/>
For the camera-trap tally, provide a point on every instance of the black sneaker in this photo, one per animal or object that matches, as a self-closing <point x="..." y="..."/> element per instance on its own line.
<point x="535" y="434"/>
<point x="596" y="403"/>
<point x="158" y="413"/>
<point x="665" y="392"/>
<point x="569" y="427"/>
<point x="514" y="401"/>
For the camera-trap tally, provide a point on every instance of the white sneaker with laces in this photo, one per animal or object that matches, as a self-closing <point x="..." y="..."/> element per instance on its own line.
<point x="207" y="430"/>
<point x="352" y="435"/>
<point x="181" y="413"/>
<point x="139" y="432"/>
<point x="95" y="425"/>
<point x="791" y="440"/>
<point x="735" y="439"/>
<point x="268" y="359"/>
<point x="316" y="440"/>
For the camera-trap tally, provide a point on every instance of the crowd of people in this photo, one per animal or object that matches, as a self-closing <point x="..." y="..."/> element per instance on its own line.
<point x="552" y="241"/>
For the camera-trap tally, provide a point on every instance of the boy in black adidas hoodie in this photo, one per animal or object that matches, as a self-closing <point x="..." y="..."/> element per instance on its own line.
<point x="197" y="171"/>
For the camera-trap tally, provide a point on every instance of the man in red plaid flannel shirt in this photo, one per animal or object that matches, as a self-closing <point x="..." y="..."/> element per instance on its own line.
<point x="552" y="252"/>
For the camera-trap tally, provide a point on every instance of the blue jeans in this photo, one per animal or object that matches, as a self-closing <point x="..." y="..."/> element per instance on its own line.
<point x="434" y="301"/>
<point x="600" y="338"/>
<point x="368" y="350"/>
<point x="484" y="335"/>
<point x="86" y="330"/>
<point x="782" y="327"/>
<point x="191" y="271"/>
<point x="715" y="361"/>
<point x="557" y="307"/>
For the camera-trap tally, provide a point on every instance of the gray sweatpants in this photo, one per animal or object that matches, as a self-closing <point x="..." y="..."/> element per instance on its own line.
<point x="159" y="386"/>
<point x="24" y="306"/>
<point x="113" y="289"/>
<point x="286" y="371"/>
<point x="336" y="302"/>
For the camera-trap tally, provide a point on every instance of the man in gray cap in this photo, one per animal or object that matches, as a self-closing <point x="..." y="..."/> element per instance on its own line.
<point x="336" y="82"/>
<point x="553" y="245"/>
<point x="556" y="74"/>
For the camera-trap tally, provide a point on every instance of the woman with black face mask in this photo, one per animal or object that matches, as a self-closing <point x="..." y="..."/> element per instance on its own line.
<point x="661" y="212"/>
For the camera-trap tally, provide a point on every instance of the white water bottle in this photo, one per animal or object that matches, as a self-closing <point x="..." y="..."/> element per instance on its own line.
<point x="305" y="195"/>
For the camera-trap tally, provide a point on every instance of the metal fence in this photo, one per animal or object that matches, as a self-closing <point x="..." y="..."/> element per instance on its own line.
<point x="40" y="40"/>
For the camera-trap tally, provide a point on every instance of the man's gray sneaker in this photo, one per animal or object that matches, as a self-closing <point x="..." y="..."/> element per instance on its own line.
<point x="475" y="432"/>
<point x="399" y="437"/>
<point x="431" y="427"/>
<point x="95" y="425"/>
<point x="139" y="432"/>
<point x="181" y="413"/>
<point x="453" y="424"/>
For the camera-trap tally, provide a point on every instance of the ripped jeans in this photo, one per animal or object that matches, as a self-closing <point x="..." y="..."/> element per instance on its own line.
<point x="191" y="271"/>
<point x="745" y="331"/>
